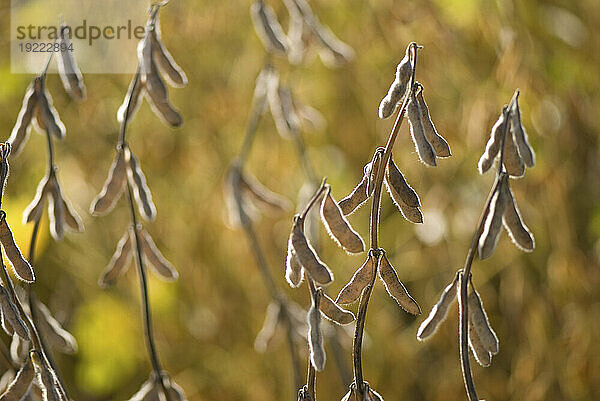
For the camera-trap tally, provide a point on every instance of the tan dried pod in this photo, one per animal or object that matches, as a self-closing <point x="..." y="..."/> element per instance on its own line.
<point x="293" y="269"/>
<point x="398" y="183"/>
<point x="282" y="109"/>
<point x="315" y="335"/>
<point x="412" y="214"/>
<point x="261" y="195"/>
<point x="512" y="160"/>
<point x="440" y="145"/>
<point x="46" y="378"/>
<point x="390" y="102"/>
<point x="493" y="220"/>
<point x="56" y="209"/>
<point x="34" y="210"/>
<point x="53" y="332"/>
<point x="144" y="53"/>
<point x="295" y="32"/>
<point x="493" y="145"/>
<point x="50" y="120"/>
<point x="332" y="51"/>
<point x="520" y="135"/>
<point x="67" y="67"/>
<point x="113" y="186"/>
<point x="307" y="256"/>
<point x="11" y="315"/>
<point x="264" y="336"/>
<point x="133" y="98"/>
<point x="72" y="218"/>
<point x="6" y="326"/>
<point x="141" y="192"/>
<point x="158" y="97"/>
<point x="361" y="278"/>
<point x="517" y="230"/>
<point x="21" y="383"/>
<point x="161" y="266"/>
<point x="417" y="131"/>
<point x="334" y="312"/>
<point x="395" y="288"/>
<point x="267" y="28"/>
<point x="173" y="72"/>
<point x="6" y="378"/>
<point x="439" y="312"/>
<point x="19" y="349"/>
<point x="22" y="128"/>
<point x="337" y="226"/>
<point x="120" y="261"/>
<point x="356" y="198"/>
<point x="481" y="354"/>
<point x="479" y="320"/>
<point x="21" y="267"/>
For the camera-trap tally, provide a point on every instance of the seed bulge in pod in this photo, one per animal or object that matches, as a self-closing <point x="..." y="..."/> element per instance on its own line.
<point x="119" y="263"/>
<point x="174" y="74"/>
<point x="517" y="230"/>
<point x="361" y="278"/>
<point x="53" y="332"/>
<point x="493" y="220"/>
<point x="439" y="312"/>
<point x="482" y="355"/>
<point x="395" y="288"/>
<point x="417" y="131"/>
<point x="356" y="198"/>
<point x="21" y="267"/>
<point x="307" y="255"/>
<point x="338" y="227"/>
<point x="479" y="320"/>
<point x="397" y="89"/>
<point x="401" y="187"/>
<point x="20" y="385"/>
<point x="11" y="316"/>
<point x="158" y="263"/>
<point x="113" y="186"/>
<point x="440" y="146"/>
<point x="334" y="312"/>
<point x="412" y="214"/>
<point x="293" y="270"/>
<point x="493" y="145"/>
<point x="512" y="161"/>
<point x="315" y="335"/>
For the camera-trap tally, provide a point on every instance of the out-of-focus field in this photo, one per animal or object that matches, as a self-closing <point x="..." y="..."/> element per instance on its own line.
<point x="544" y="306"/>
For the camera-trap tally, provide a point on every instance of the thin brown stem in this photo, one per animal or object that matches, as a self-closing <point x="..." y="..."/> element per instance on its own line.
<point x="311" y="377"/>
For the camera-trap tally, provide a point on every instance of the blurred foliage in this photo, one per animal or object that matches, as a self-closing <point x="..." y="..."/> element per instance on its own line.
<point x="545" y="306"/>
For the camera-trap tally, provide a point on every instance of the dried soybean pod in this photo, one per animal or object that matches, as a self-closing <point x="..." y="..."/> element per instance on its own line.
<point x="21" y="267"/>
<point x="268" y="28"/>
<point x="396" y="180"/>
<point x="72" y="217"/>
<point x="315" y="335"/>
<point x="334" y="312"/>
<point x="56" y="210"/>
<point x="34" y="210"/>
<point x="482" y="355"/>
<point x="307" y="256"/>
<point x="155" y="258"/>
<point x="19" y="349"/>
<point x="439" y="312"/>
<point x="395" y="288"/>
<point x="412" y="214"/>
<point x="141" y="192"/>
<point x="53" y="332"/>
<point x="262" y="195"/>
<point x="22" y="128"/>
<point x="397" y="89"/>
<point x="512" y="161"/>
<point x="21" y="384"/>
<point x="6" y="326"/>
<point x="493" y="220"/>
<point x="280" y="102"/>
<point x="67" y="67"/>
<point x="49" y="115"/>
<point x="113" y="186"/>
<point x="440" y="146"/>
<point x="119" y="263"/>
<point x="338" y="227"/>
<point x="158" y="97"/>
<point x="361" y="278"/>
<point x="174" y="74"/>
<point x="356" y="198"/>
<point x="293" y="270"/>
<point x="520" y="135"/>
<point x="144" y="53"/>
<point x="479" y="320"/>
<point x="417" y="132"/>
<point x="135" y="93"/>
<point x="517" y="230"/>
<point x="332" y="51"/>
<point x="46" y="378"/>
<point x="10" y="315"/>
<point x="493" y="145"/>
<point x="267" y="331"/>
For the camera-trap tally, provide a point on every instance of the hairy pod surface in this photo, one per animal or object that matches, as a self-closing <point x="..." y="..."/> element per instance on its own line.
<point x="410" y="213"/>
<point x="440" y="145"/>
<point x="119" y="263"/>
<point x="157" y="262"/>
<point x="113" y="186"/>
<point x="395" y="288"/>
<point x="294" y="273"/>
<point x="512" y="160"/>
<point x="361" y="278"/>
<point x="20" y="385"/>
<point x="338" y="227"/>
<point x="479" y="320"/>
<point x="11" y="315"/>
<point x="417" y="131"/>
<point x="173" y="72"/>
<point x="518" y="232"/>
<point x="34" y="210"/>
<point x="158" y="98"/>
<point x="520" y="135"/>
<point x="53" y="332"/>
<point x="68" y="70"/>
<point x="315" y="335"/>
<point x="493" y="145"/>
<point x="21" y="267"/>
<point x="481" y="354"/>
<point x="22" y="128"/>
<point x="493" y="220"/>
<point x="141" y="191"/>
<point x="439" y="312"/>
<point x="307" y="256"/>
<point x="50" y="121"/>
<point x="356" y="198"/>
<point x="406" y="193"/>
<point x="263" y="196"/>
<point x="334" y="312"/>
<point x="390" y="102"/>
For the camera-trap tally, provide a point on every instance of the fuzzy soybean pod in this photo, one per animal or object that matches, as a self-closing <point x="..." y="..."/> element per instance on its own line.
<point x="512" y="160"/>
<point x="361" y="278"/>
<point x="481" y="354"/>
<point x="410" y="213"/>
<point x="493" y="220"/>
<point x="133" y="98"/>
<point x="315" y="335"/>
<point x="520" y="135"/>
<point x="268" y="28"/>
<point x="262" y="196"/>
<point x="113" y="186"/>
<point x="158" y="97"/>
<point x="34" y="210"/>
<point x="22" y="128"/>
<point x="493" y="145"/>
<point x="159" y="264"/>
<point x="267" y="331"/>
<point x="119" y="262"/>
<point x="174" y="74"/>
<point x="21" y="267"/>
<point x="307" y="256"/>
<point x="46" y="378"/>
<point x="141" y="192"/>
<point x="53" y="332"/>
<point x="294" y="274"/>
<point x="21" y="384"/>
<point x="338" y="227"/>
<point x="440" y="145"/>
<point x="50" y="121"/>
<point x="11" y="316"/>
<point x="56" y="209"/>
<point x="356" y="198"/>
<point x="518" y="232"/>
<point x="69" y="72"/>
<point x="334" y="312"/>
<point x="417" y="131"/>
<point x="395" y="288"/>
<point x="480" y="322"/>
<point x="396" y="180"/>
<point x="397" y="89"/>
<point x="439" y="312"/>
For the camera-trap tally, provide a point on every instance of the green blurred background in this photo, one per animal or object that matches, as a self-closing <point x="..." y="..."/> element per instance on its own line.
<point x="544" y="306"/>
